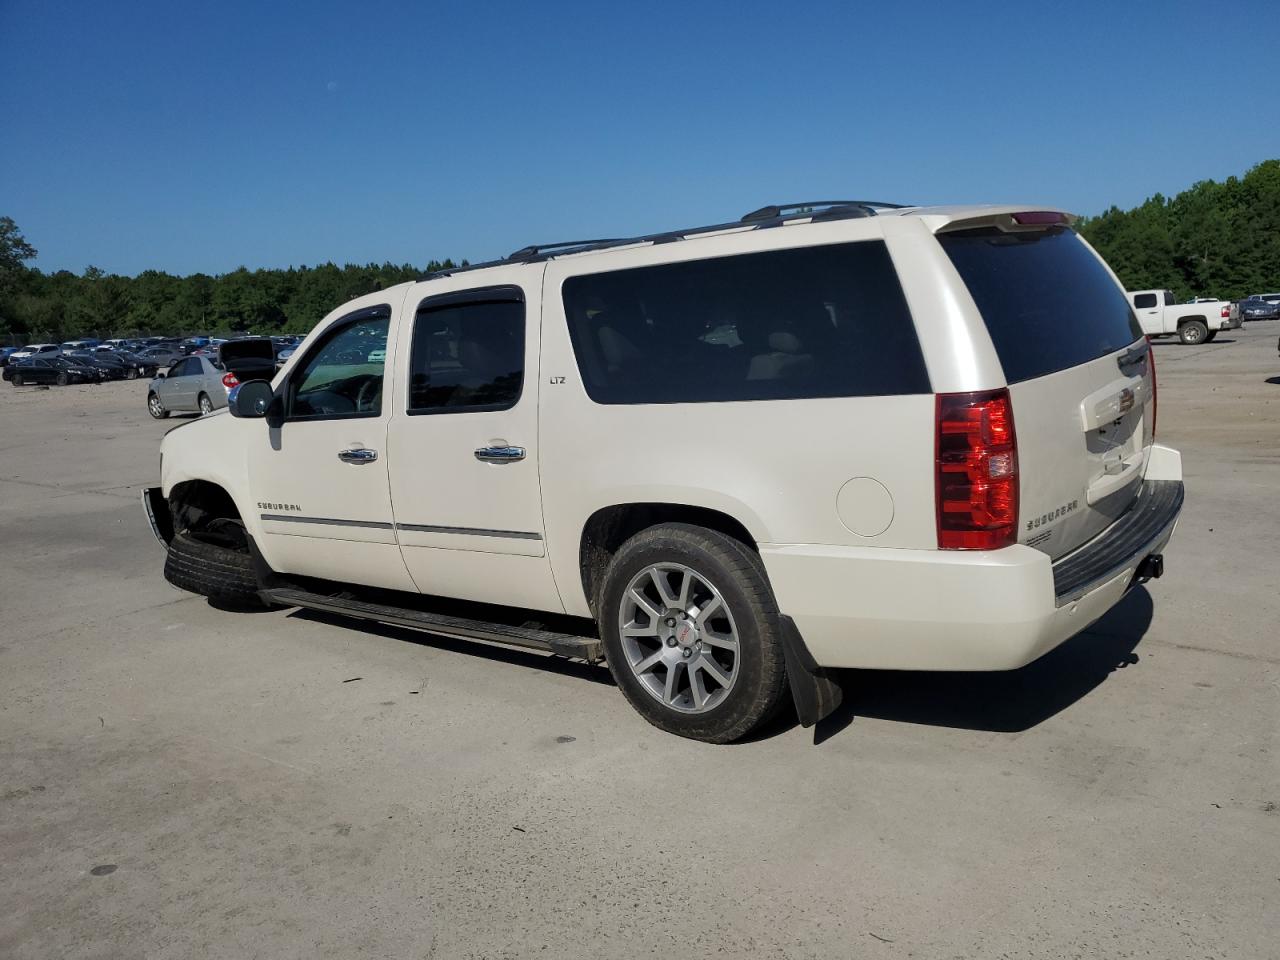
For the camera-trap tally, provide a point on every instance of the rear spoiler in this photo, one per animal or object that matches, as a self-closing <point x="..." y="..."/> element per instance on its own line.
<point x="1007" y="219"/>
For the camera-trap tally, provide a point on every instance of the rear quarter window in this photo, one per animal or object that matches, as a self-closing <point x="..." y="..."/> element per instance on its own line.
<point x="827" y="321"/>
<point x="1047" y="301"/>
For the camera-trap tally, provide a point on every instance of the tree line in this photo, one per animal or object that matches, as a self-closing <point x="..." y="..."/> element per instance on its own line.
<point x="37" y="306"/>
<point x="1214" y="239"/>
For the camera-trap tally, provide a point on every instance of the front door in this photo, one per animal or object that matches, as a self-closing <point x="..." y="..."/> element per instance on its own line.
<point x="1150" y="314"/>
<point x="319" y="481"/>
<point x="464" y="441"/>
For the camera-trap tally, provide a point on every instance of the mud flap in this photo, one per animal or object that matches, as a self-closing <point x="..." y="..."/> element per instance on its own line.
<point x="815" y="694"/>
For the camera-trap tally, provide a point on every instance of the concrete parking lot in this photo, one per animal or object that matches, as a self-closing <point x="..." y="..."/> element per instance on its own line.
<point x="177" y="781"/>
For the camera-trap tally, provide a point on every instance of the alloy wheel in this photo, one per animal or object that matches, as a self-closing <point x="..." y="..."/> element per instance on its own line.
<point x="679" y="637"/>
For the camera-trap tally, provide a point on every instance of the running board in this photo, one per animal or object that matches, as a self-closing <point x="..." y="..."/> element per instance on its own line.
<point x="526" y="635"/>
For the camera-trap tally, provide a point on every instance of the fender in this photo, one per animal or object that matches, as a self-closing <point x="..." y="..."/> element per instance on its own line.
<point x="211" y="449"/>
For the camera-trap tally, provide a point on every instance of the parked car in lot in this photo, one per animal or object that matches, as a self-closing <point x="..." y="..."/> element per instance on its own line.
<point x="58" y="370"/>
<point x="200" y="383"/>
<point x="42" y="350"/>
<point x="192" y="384"/>
<point x="1160" y="315"/>
<point x="5" y="353"/>
<point x="112" y="367"/>
<point x="160" y="356"/>
<point x="144" y="366"/>
<point x="921" y="438"/>
<point x="192" y="344"/>
<point x="1260" y="307"/>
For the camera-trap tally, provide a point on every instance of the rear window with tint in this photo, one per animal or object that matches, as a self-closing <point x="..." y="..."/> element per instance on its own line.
<point x="1047" y="301"/>
<point x="827" y="321"/>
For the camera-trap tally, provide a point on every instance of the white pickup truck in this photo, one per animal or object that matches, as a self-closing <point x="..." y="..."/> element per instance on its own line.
<point x="1161" y="315"/>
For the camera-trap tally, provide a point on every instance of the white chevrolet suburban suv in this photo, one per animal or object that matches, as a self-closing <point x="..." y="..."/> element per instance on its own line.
<point x="723" y="460"/>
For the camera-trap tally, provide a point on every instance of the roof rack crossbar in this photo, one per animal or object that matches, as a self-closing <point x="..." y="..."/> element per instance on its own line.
<point x="775" y="210"/>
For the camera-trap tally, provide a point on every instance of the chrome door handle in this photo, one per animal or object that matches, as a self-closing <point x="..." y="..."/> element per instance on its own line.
<point x="500" y="454"/>
<point x="358" y="455"/>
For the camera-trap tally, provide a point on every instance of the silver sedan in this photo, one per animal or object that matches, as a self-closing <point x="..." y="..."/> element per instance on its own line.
<point x="193" y="384"/>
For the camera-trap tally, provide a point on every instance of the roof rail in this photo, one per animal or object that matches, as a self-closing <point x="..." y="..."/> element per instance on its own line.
<point x="817" y="210"/>
<point x="534" y="249"/>
<point x="836" y="209"/>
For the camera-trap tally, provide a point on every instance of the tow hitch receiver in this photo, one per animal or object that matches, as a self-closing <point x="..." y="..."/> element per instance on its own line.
<point x="1151" y="568"/>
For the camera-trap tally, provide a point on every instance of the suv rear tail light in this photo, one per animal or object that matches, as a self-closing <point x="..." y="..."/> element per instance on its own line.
<point x="229" y="380"/>
<point x="977" y="471"/>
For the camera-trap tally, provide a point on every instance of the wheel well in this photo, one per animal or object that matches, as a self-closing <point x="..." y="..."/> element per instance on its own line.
<point x="1182" y="320"/>
<point x="610" y="527"/>
<point x="207" y="511"/>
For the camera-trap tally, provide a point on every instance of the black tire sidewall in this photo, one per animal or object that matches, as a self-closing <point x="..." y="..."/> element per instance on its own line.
<point x="225" y="576"/>
<point x="62" y="380"/>
<point x="744" y="588"/>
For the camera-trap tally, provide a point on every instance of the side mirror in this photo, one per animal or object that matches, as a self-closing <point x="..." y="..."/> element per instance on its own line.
<point x="251" y="400"/>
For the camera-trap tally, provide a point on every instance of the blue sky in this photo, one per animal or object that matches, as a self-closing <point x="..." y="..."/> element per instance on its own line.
<point x="204" y="136"/>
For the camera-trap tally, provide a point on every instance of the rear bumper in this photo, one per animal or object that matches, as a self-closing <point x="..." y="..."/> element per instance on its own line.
<point x="940" y="610"/>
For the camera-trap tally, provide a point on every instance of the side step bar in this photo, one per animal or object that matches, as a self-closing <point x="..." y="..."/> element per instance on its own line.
<point x="527" y="635"/>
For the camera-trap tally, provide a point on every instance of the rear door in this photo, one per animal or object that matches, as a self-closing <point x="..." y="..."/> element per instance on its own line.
<point x="178" y="390"/>
<point x="464" y="440"/>
<point x="1079" y="375"/>
<point x="41" y="371"/>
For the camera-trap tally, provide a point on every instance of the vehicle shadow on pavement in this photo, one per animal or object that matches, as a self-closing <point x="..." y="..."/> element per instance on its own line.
<point x="597" y="673"/>
<point x="1005" y="702"/>
<point x="1275" y="380"/>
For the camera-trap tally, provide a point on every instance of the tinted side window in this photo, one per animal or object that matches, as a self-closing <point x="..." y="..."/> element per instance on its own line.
<point x="342" y="375"/>
<point x="1144" y="301"/>
<point x="467" y="357"/>
<point x="1048" y="303"/>
<point x="826" y="321"/>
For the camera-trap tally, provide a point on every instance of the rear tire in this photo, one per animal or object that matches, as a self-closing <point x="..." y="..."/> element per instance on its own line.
<point x="1192" y="332"/>
<point x="132" y="374"/>
<point x="205" y="404"/>
<point x="223" y="575"/>
<point x="739" y="684"/>
<point x="62" y="380"/>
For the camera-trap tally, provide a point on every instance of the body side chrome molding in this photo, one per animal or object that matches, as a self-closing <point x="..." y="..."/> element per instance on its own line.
<point x="468" y="531"/>
<point x="288" y="518"/>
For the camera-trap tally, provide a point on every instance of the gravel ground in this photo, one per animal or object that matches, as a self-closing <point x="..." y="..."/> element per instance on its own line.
<point x="177" y="781"/>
